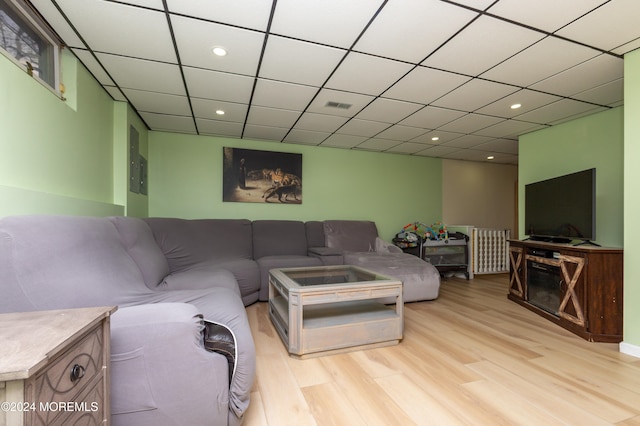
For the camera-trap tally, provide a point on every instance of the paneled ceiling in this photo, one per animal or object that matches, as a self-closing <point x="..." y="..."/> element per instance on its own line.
<point x="388" y="76"/>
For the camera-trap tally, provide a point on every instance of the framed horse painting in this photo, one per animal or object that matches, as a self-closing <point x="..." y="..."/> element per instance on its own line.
<point x="254" y="176"/>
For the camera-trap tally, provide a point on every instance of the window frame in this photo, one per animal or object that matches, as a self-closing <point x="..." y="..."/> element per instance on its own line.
<point x="36" y="23"/>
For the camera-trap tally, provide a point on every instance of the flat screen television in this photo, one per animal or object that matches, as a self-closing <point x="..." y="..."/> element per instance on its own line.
<point x="562" y="209"/>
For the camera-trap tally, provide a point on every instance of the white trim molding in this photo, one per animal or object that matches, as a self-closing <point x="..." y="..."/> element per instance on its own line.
<point x="629" y="349"/>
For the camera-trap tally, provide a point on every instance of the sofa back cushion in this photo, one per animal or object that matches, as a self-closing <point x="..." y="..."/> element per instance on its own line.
<point x="315" y="233"/>
<point x="278" y="237"/>
<point x="351" y="235"/>
<point x="139" y="242"/>
<point x="190" y="242"/>
<point x="62" y="262"/>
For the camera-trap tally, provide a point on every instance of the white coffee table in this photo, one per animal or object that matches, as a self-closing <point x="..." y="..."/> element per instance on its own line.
<point x="333" y="309"/>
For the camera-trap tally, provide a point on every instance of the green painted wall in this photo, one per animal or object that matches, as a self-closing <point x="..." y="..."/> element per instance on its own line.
<point x="593" y="141"/>
<point x="185" y="178"/>
<point x="632" y="200"/>
<point x="56" y="148"/>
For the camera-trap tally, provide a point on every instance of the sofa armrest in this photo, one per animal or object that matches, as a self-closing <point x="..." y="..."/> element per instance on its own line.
<point x="160" y="371"/>
<point x="328" y="255"/>
<point x="325" y="251"/>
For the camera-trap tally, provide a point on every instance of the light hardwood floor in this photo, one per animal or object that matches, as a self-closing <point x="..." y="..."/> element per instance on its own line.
<point x="472" y="357"/>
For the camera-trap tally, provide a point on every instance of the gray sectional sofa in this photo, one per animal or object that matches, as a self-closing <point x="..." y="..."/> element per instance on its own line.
<point x="169" y="277"/>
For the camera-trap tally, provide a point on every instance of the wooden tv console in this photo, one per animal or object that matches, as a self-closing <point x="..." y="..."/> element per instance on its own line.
<point x="590" y="286"/>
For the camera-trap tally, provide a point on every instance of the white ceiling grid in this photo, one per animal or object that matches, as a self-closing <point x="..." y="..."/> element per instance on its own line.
<point x="405" y="71"/>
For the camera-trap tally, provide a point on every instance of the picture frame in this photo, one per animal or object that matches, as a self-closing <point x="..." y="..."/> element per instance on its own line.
<point x="255" y="176"/>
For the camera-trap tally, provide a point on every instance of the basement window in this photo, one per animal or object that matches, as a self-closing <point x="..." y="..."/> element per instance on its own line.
<point x="27" y="40"/>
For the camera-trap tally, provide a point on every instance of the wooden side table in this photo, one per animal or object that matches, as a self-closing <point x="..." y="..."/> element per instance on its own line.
<point x="54" y="367"/>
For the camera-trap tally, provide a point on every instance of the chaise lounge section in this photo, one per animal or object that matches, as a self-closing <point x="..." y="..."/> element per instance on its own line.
<point x="169" y="277"/>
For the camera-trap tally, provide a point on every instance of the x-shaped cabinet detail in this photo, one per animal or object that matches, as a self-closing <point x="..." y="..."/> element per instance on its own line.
<point x="515" y="282"/>
<point x="570" y="277"/>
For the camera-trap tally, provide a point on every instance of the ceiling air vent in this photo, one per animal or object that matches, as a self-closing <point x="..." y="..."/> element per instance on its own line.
<point x="332" y="104"/>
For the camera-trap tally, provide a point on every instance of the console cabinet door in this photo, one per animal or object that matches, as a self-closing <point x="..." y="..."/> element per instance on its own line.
<point x="572" y="303"/>
<point x="516" y="272"/>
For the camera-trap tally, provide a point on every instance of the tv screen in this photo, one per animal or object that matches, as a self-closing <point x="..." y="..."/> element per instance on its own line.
<point x="562" y="208"/>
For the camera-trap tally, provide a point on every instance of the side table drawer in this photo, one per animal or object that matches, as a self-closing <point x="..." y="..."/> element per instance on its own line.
<point x="67" y="377"/>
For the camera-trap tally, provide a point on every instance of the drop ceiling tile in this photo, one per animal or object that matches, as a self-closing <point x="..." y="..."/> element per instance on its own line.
<point x="247" y="13"/>
<point x="471" y="123"/>
<point x="475" y="94"/>
<point x="542" y="60"/>
<point x="95" y="19"/>
<point x="388" y="110"/>
<point x="219" y="128"/>
<point x="593" y="73"/>
<point x="306" y="137"/>
<point x="161" y="103"/>
<point x="320" y="122"/>
<point x="476" y="4"/>
<point x="538" y="14"/>
<point x="611" y="94"/>
<point x="143" y="75"/>
<point x="170" y="123"/>
<point x="401" y="133"/>
<point x="558" y="111"/>
<point x="528" y="99"/>
<point x="467" y="141"/>
<point x="484" y="43"/>
<point x="52" y="15"/>
<point x="196" y="39"/>
<point x="410" y="30"/>
<point x="115" y="93"/>
<point x="273" y="117"/>
<point x="377" y="144"/>
<point x="366" y="128"/>
<point x="627" y="47"/>
<point x="343" y="141"/>
<point x="579" y="114"/>
<point x="305" y="63"/>
<point x="437" y="137"/>
<point x="509" y="129"/>
<point x="278" y="94"/>
<point x="218" y="85"/>
<point x="467" y="155"/>
<point x="612" y="25"/>
<point x="357" y="102"/>
<point x="151" y="4"/>
<point x="268" y="133"/>
<point x="331" y="22"/>
<point x="437" y="151"/>
<point x="425" y="85"/>
<point x="94" y="67"/>
<point x="367" y="74"/>
<point x="206" y="108"/>
<point x="406" y="148"/>
<point x="505" y="146"/>
<point x="431" y="117"/>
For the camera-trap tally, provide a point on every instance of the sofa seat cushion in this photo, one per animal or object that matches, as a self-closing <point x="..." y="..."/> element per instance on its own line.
<point x="421" y="280"/>
<point x="270" y="262"/>
<point x="200" y="278"/>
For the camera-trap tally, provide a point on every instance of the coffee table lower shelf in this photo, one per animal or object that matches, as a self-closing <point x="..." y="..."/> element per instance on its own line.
<point x="333" y="328"/>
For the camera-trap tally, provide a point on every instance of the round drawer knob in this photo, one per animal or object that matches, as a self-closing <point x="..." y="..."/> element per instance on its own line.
<point x="77" y="372"/>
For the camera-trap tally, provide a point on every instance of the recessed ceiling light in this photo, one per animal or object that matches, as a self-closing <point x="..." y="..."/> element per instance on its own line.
<point x="491" y="157"/>
<point x="516" y="106"/>
<point x="435" y="138"/>
<point x="219" y="51"/>
<point x="219" y="112"/>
